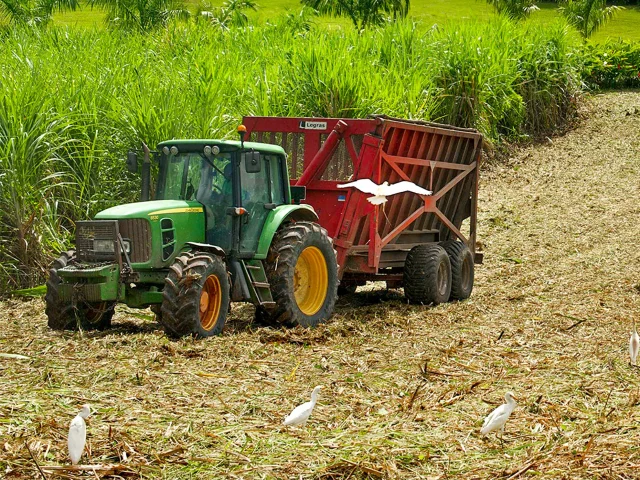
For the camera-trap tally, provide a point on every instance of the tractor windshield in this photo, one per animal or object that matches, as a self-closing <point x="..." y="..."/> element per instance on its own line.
<point x="192" y="176"/>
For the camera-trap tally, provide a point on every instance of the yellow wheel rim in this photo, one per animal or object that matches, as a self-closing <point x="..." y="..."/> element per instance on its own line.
<point x="210" y="302"/>
<point x="311" y="280"/>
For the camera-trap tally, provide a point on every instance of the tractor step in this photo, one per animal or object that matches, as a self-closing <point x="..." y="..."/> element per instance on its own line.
<point x="259" y="287"/>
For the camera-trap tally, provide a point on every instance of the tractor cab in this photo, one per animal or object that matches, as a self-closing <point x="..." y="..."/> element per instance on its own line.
<point x="237" y="184"/>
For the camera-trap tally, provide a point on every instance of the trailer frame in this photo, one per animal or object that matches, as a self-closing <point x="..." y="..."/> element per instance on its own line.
<point x="372" y="241"/>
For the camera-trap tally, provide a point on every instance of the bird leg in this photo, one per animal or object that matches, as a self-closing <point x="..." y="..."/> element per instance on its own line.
<point x="501" y="436"/>
<point x="384" y="213"/>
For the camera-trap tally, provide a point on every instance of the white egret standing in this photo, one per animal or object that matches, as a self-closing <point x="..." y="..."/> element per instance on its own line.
<point x="301" y="413"/>
<point x="634" y="344"/>
<point x="78" y="434"/>
<point x="381" y="192"/>
<point x="497" y="418"/>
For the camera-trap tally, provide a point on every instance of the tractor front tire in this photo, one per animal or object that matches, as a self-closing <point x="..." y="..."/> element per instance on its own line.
<point x="427" y="275"/>
<point x="195" y="296"/>
<point x="461" y="269"/>
<point x="67" y="316"/>
<point x="302" y="270"/>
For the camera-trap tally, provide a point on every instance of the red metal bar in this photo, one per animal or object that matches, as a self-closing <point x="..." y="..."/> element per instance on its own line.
<point x="405" y="223"/>
<point x="451" y="226"/>
<point x="414" y="161"/>
<point x="453" y="182"/>
<point x="474" y="203"/>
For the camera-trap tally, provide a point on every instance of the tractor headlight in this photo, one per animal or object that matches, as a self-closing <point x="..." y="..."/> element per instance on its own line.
<point x="106" y="246"/>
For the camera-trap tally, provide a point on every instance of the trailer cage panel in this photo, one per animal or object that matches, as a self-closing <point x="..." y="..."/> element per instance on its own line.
<point x="372" y="241"/>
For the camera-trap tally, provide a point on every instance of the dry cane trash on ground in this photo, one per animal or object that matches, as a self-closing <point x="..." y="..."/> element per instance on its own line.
<point x="406" y="387"/>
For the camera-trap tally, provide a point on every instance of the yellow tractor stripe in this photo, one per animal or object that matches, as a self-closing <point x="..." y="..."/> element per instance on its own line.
<point x="178" y="210"/>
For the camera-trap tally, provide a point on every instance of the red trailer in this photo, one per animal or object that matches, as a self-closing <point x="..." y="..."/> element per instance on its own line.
<point x="401" y="242"/>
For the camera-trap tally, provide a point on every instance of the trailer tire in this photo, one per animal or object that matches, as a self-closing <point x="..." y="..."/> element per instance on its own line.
<point x="196" y="296"/>
<point x="461" y="269"/>
<point x="65" y="316"/>
<point x="302" y="270"/>
<point x="347" y="289"/>
<point x="427" y="275"/>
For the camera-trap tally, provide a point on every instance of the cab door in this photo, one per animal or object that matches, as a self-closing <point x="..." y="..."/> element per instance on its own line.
<point x="261" y="192"/>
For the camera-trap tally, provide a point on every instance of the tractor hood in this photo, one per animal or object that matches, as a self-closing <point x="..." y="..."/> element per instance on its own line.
<point x="158" y="230"/>
<point x="149" y="209"/>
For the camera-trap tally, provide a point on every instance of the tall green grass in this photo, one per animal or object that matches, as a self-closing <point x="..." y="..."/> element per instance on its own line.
<point x="72" y="102"/>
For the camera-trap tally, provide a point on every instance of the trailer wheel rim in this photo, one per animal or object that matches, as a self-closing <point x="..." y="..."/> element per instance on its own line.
<point x="442" y="278"/>
<point x="311" y="280"/>
<point x="210" y="302"/>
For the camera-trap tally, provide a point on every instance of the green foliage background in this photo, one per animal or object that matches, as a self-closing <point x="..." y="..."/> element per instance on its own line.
<point x="72" y="102"/>
<point x="611" y="65"/>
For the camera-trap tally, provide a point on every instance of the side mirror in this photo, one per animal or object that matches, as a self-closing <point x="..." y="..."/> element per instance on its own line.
<point x="251" y="162"/>
<point x="132" y="162"/>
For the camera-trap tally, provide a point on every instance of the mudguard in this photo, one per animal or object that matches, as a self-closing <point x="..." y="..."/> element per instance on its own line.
<point x="277" y="217"/>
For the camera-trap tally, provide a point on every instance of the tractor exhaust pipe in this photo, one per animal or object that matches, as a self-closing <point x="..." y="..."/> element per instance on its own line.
<point x="146" y="174"/>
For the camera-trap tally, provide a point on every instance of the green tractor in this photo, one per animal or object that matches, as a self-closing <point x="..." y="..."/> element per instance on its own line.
<point x="224" y="226"/>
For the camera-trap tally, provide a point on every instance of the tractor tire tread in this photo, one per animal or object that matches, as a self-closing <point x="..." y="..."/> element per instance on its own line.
<point x="181" y="295"/>
<point x="282" y="257"/>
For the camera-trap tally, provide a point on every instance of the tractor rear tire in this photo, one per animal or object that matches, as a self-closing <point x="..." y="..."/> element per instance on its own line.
<point x="67" y="316"/>
<point x="461" y="269"/>
<point x="195" y="296"/>
<point x="427" y="275"/>
<point x="302" y="270"/>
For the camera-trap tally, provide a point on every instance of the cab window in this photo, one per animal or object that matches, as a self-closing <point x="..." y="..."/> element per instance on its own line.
<point x="275" y="178"/>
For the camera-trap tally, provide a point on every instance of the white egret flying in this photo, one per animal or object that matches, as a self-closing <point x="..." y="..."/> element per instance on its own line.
<point x="301" y="413"/>
<point x="497" y="418"/>
<point x="634" y="344"/>
<point x="78" y="434"/>
<point x="381" y="192"/>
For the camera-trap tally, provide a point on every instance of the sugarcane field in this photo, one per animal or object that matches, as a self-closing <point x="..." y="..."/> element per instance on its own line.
<point x="318" y="240"/>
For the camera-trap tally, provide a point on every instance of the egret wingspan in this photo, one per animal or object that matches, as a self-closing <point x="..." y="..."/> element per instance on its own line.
<point x="406" y="187"/>
<point x="364" y="185"/>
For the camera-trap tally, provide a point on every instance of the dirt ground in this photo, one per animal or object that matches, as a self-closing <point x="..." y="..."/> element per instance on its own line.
<point x="406" y="387"/>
